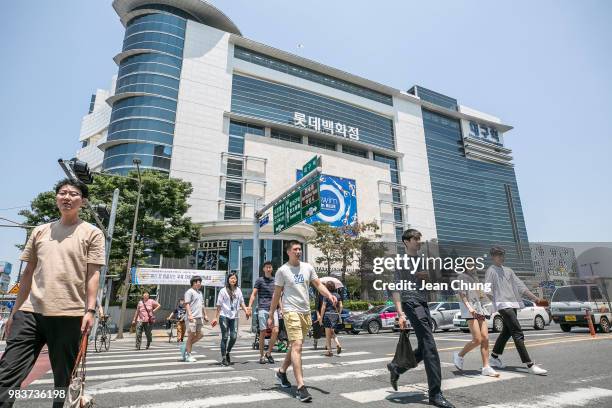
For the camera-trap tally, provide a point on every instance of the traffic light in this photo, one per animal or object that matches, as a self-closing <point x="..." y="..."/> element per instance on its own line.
<point x="81" y="170"/>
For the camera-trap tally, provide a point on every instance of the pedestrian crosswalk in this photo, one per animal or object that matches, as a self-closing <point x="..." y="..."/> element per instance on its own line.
<point x="357" y="377"/>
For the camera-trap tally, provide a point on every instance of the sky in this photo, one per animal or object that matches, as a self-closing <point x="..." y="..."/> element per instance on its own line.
<point x="543" y="67"/>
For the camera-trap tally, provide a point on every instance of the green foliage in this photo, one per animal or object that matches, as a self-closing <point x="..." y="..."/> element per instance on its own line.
<point x="359" y="305"/>
<point x="326" y="240"/>
<point x="161" y="226"/>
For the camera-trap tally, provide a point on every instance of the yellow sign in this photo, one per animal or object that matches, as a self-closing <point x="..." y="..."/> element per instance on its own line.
<point x="14" y="290"/>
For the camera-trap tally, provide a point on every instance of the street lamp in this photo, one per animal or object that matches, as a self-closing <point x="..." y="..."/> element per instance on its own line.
<point x="126" y="283"/>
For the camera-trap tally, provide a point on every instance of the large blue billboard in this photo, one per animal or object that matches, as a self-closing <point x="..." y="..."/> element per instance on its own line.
<point x="338" y="201"/>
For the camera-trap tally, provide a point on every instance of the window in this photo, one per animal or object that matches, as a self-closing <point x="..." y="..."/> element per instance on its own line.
<point x="85" y="143"/>
<point x="233" y="191"/>
<point x="301" y="72"/>
<point x="322" y="144"/>
<point x="596" y="294"/>
<point x="285" y="136"/>
<point x="397" y="215"/>
<point x="527" y="303"/>
<point x="232" y="212"/>
<point x="354" y="151"/>
<point x="399" y="231"/>
<point x="234" y="168"/>
<point x="280" y="103"/>
<point x="392" y="165"/>
<point x="397" y="195"/>
<point x="237" y="130"/>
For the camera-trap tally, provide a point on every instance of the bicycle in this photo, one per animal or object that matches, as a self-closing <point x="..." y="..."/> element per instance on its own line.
<point x="102" y="338"/>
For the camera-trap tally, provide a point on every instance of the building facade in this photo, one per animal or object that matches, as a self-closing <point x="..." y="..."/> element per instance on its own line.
<point x="197" y="100"/>
<point x="554" y="266"/>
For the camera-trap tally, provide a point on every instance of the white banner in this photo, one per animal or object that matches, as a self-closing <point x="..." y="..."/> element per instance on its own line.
<point x="161" y="276"/>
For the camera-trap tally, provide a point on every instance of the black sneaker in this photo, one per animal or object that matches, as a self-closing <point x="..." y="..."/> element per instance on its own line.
<point x="270" y="359"/>
<point x="282" y="379"/>
<point x="229" y="360"/>
<point x="224" y="362"/>
<point x="303" y="395"/>
<point x="394" y="377"/>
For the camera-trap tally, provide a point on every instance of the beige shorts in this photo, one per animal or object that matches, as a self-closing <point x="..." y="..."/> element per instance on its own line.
<point x="297" y="325"/>
<point x="194" y="326"/>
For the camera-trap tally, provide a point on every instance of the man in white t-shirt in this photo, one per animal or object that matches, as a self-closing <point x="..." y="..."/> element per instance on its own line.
<point x="194" y="318"/>
<point x="292" y="281"/>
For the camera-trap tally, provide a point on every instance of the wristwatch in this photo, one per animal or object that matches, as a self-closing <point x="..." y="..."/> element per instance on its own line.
<point x="92" y="311"/>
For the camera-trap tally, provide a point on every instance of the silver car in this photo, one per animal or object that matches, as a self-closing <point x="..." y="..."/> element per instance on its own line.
<point x="442" y="314"/>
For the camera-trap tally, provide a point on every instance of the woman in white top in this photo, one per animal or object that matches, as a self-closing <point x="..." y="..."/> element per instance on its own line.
<point x="476" y="315"/>
<point x="228" y="302"/>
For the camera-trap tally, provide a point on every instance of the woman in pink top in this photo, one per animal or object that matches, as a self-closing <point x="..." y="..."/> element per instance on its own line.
<point x="144" y="317"/>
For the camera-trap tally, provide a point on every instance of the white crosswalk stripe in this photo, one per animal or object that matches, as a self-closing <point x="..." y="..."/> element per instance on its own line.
<point x="142" y="374"/>
<point x="173" y="385"/>
<point x="576" y="398"/>
<point x="221" y="400"/>
<point x="379" y="394"/>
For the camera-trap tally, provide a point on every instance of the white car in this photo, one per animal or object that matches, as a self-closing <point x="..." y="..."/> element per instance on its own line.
<point x="530" y="316"/>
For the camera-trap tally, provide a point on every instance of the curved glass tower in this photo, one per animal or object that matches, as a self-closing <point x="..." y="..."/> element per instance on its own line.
<point x="144" y="105"/>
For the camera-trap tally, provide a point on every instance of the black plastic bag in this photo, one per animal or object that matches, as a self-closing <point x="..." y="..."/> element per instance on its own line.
<point x="404" y="356"/>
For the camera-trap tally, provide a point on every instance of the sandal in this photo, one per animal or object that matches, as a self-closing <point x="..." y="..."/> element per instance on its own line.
<point x="329" y="354"/>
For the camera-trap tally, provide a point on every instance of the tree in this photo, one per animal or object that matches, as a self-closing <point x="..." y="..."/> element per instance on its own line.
<point x="326" y="240"/>
<point x="352" y="240"/>
<point x="162" y="227"/>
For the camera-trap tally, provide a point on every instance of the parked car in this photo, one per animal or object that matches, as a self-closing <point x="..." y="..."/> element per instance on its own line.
<point x="373" y="320"/>
<point x="442" y="314"/>
<point x="530" y="316"/>
<point x="569" y="305"/>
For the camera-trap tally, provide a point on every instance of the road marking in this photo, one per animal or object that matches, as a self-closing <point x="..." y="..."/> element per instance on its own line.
<point x="350" y="374"/>
<point x="109" y="388"/>
<point x="132" y="354"/>
<point x="380" y="394"/>
<point x="175" y="357"/>
<point x="577" y="398"/>
<point x="354" y="353"/>
<point x="223" y="400"/>
<point x="142" y="374"/>
<point x="142" y="366"/>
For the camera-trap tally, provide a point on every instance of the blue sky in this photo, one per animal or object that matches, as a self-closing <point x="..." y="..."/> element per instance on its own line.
<point x="543" y="67"/>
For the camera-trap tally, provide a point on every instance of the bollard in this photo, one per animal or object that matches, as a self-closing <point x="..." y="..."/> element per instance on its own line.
<point x="591" y="327"/>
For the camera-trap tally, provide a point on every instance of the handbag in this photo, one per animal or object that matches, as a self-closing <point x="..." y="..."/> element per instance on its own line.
<point x="75" y="395"/>
<point x="151" y="315"/>
<point x="404" y="356"/>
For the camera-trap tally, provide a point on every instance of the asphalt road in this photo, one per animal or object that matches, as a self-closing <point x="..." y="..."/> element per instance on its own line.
<point x="579" y="375"/>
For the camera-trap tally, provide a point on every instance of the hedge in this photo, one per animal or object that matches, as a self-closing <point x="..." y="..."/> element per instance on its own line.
<point x="356" y="305"/>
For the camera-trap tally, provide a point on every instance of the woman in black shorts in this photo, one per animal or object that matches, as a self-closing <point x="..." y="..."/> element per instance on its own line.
<point x="329" y="317"/>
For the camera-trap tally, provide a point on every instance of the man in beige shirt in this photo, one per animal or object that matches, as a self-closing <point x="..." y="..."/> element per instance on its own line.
<point x="57" y="298"/>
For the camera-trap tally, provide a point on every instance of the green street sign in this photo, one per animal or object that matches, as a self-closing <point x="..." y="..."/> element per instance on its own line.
<point x="311" y="199"/>
<point x="300" y="204"/>
<point x="310" y="165"/>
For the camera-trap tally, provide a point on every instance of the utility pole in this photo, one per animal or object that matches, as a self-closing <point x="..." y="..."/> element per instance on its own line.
<point x="130" y="256"/>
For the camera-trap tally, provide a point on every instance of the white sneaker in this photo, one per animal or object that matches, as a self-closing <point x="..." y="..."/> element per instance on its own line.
<point x="488" y="371"/>
<point x="458" y="360"/>
<point x="191" y="359"/>
<point x="537" y="370"/>
<point x="496" y="362"/>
